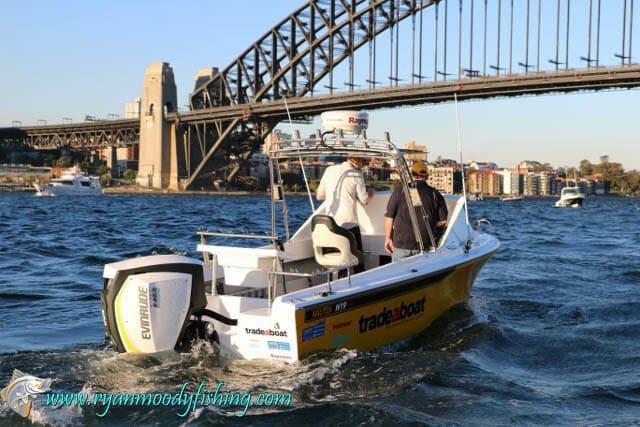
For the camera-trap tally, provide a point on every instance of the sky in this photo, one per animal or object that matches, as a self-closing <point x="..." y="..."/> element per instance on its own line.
<point x="73" y="58"/>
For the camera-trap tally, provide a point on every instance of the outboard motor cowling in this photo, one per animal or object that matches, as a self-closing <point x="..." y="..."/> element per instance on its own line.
<point x="148" y="302"/>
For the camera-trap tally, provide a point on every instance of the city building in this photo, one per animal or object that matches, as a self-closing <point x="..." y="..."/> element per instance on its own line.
<point x="132" y="109"/>
<point x="487" y="182"/>
<point x="482" y="166"/>
<point x="446" y="179"/>
<point x="531" y="184"/>
<point x="412" y="157"/>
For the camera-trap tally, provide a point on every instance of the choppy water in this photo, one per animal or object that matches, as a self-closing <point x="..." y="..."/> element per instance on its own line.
<point x="551" y="334"/>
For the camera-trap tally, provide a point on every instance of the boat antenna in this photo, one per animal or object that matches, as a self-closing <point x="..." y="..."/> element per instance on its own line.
<point x="464" y="186"/>
<point x="304" y="174"/>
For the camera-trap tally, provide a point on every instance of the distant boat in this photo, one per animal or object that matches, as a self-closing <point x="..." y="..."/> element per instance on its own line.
<point x="570" y="197"/>
<point x="511" y="198"/>
<point x="475" y="196"/>
<point x="73" y="182"/>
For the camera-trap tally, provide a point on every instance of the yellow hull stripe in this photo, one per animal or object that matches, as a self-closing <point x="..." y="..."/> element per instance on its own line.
<point x="390" y="318"/>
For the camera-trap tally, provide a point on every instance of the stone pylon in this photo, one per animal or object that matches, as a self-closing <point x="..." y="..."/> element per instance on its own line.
<point x="159" y="97"/>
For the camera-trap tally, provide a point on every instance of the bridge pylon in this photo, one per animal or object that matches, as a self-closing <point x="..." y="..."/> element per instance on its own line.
<point x="159" y="98"/>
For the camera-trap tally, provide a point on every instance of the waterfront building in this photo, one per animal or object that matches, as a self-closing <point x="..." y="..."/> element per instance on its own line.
<point x="482" y="166"/>
<point x="512" y="181"/>
<point x="547" y="183"/>
<point x="412" y="157"/>
<point x="446" y="179"/>
<point x="487" y="182"/>
<point x="531" y="184"/>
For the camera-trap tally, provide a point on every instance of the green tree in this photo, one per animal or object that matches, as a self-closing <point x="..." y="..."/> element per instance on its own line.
<point x="291" y="177"/>
<point x="103" y="169"/>
<point x="586" y="168"/>
<point x="247" y="183"/>
<point x="129" y="175"/>
<point x="105" y="179"/>
<point x="64" y="162"/>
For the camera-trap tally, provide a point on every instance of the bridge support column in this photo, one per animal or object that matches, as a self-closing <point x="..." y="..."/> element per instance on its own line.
<point x="159" y="97"/>
<point x="112" y="162"/>
<point x="177" y="167"/>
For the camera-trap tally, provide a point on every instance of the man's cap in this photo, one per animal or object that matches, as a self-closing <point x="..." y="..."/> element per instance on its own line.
<point x="419" y="168"/>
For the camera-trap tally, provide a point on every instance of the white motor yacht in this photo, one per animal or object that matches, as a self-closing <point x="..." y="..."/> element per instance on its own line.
<point x="297" y="293"/>
<point x="570" y="197"/>
<point x="72" y="182"/>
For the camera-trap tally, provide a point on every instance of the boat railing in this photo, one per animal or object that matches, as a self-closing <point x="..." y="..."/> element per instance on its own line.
<point x="333" y="144"/>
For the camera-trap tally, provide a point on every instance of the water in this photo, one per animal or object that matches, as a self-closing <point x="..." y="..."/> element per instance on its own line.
<point x="551" y="334"/>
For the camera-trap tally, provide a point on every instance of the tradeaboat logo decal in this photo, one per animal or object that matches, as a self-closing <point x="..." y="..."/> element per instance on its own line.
<point x="391" y="315"/>
<point x="265" y="332"/>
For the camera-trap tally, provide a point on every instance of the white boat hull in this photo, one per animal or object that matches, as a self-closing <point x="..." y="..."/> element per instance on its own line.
<point x="257" y="318"/>
<point x="63" y="190"/>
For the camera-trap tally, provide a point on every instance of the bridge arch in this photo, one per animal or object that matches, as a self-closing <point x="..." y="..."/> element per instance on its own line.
<point x="295" y="55"/>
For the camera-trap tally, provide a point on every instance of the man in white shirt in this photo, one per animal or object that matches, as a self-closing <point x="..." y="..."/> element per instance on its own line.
<point x="342" y="186"/>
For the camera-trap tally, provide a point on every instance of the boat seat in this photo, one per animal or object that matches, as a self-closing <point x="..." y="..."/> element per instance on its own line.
<point x="333" y="246"/>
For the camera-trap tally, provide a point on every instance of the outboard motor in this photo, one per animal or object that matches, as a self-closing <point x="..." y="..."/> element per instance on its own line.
<point x="151" y="304"/>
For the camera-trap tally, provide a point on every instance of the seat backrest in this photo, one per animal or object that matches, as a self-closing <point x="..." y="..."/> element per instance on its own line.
<point x="333" y="246"/>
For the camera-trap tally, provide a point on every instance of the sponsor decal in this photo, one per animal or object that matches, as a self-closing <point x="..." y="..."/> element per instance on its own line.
<point x="342" y="325"/>
<point x="266" y="332"/>
<point x="143" y="310"/>
<point x="312" y="332"/>
<point x="419" y="282"/>
<point x="354" y="120"/>
<point x="279" y="345"/>
<point x="391" y="315"/>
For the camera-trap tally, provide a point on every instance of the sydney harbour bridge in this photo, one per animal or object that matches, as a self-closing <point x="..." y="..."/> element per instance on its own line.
<point x="359" y="54"/>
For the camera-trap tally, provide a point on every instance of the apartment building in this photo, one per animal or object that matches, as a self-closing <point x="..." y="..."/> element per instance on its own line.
<point x="446" y="179"/>
<point x="487" y="182"/>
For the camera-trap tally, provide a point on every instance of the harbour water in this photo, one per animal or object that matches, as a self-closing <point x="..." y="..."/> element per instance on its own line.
<point x="551" y="335"/>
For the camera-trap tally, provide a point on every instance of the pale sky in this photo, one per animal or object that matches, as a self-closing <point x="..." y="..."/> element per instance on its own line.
<point x="76" y="58"/>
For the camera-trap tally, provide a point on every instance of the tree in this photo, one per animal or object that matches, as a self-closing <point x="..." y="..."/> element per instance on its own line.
<point x="64" y="162"/>
<point x="247" y="183"/>
<point x="105" y="179"/>
<point x="586" y="168"/>
<point x="103" y="169"/>
<point x="129" y="175"/>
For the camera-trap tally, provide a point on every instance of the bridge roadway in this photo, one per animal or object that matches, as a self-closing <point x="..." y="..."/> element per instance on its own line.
<point x="434" y="92"/>
<point x="102" y="134"/>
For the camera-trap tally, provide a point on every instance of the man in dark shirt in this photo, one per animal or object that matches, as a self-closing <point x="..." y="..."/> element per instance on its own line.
<point x="400" y="238"/>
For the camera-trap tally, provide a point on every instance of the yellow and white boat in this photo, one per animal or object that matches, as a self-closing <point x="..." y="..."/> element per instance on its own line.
<point x="284" y="300"/>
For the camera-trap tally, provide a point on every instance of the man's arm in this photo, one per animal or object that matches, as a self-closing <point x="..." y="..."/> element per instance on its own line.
<point x="388" y="228"/>
<point x="320" y="191"/>
<point x="443" y="212"/>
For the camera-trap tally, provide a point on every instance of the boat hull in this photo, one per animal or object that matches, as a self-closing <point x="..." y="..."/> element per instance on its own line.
<point x="570" y="203"/>
<point x="384" y="316"/>
<point x="60" y="190"/>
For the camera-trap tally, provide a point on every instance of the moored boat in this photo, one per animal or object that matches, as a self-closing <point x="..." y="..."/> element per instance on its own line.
<point x="72" y="182"/>
<point x="287" y="299"/>
<point x="512" y="198"/>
